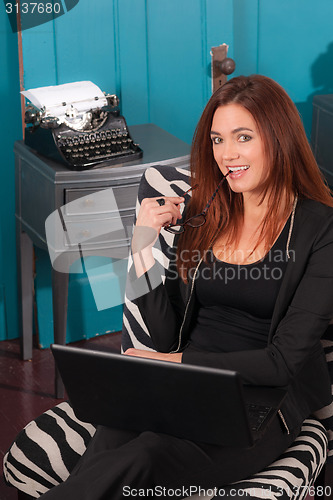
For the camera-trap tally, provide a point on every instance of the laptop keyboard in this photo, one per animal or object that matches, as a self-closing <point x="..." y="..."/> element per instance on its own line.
<point x="257" y="415"/>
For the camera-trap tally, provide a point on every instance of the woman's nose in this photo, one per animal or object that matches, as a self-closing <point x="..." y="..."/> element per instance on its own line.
<point x="230" y="151"/>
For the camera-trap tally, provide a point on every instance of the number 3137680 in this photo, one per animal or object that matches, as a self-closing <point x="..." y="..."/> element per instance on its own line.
<point x="33" y="8"/>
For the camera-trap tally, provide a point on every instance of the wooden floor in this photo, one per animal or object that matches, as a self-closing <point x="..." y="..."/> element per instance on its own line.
<point x="27" y="390"/>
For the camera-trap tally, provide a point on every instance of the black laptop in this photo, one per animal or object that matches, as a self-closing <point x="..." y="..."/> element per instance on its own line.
<point x="192" y="402"/>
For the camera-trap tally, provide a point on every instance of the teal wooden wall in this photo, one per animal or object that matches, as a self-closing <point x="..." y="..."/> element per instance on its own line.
<point x="10" y="131"/>
<point x="289" y="40"/>
<point x="155" y="55"/>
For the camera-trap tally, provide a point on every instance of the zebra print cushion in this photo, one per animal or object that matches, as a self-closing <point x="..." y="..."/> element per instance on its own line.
<point x="325" y="415"/>
<point x="295" y="471"/>
<point x="47" y="449"/>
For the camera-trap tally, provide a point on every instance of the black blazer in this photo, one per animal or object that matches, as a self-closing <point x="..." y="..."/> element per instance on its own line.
<point x="294" y="356"/>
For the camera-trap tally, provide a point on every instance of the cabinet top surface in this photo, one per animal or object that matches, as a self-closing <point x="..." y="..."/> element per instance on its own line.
<point x="158" y="147"/>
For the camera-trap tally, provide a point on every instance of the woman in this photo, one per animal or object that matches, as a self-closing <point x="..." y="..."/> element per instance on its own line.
<point x="250" y="290"/>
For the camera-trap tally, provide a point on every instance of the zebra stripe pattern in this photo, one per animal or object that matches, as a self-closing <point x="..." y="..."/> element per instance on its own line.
<point x="293" y="473"/>
<point x="47" y="449"/>
<point x="156" y="181"/>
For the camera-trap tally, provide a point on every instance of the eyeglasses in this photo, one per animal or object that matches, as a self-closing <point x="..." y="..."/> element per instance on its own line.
<point x="196" y="220"/>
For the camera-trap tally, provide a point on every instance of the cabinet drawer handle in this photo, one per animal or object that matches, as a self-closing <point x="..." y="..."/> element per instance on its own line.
<point x="88" y="202"/>
<point x="85" y="233"/>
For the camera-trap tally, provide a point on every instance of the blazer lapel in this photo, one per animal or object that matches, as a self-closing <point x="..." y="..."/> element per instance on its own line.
<point x="303" y="234"/>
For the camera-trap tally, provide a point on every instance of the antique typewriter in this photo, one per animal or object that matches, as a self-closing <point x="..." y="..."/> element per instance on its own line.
<point x="79" y="126"/>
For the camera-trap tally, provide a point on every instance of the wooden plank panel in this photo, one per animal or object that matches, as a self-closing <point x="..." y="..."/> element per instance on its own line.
<point x="301" y="59"/>
<point x="85" y="44"/>
<point x="39" y="57"/>
<point x="246" y="13"/>
<point x="219" y="30"/>
<point x="307" y="35"/>
<point x="133" y="61"/>
<point x="177" y="78"/>
<point x="10" y="107"/>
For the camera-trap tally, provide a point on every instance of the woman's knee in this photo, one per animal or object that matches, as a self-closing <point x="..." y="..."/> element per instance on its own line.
<point x="150" y="443"/>
<point x="153" y="449"/>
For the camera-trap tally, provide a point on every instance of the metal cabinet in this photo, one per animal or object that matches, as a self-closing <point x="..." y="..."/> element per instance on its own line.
<point x="43" y="187"/>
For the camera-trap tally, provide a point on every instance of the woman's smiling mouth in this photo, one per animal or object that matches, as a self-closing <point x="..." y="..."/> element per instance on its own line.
<point x="237" y="170"/>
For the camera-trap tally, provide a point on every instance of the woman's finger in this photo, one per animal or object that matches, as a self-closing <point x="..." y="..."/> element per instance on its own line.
<point x="152" y="209"/>
<point x="173" y="199"/>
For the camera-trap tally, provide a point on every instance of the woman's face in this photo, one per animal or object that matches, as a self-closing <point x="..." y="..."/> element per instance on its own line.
<point x="238" y="148"/>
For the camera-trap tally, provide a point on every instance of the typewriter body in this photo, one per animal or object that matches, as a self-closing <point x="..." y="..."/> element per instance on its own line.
<point x="81" y="138"/>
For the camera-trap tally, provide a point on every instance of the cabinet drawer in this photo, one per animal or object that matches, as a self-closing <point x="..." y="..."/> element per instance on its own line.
<point x="89" y="201"/>
<point x="111" y="229"/>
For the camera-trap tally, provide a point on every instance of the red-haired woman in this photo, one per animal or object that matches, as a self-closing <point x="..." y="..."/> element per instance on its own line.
<point x="257" y="300"/>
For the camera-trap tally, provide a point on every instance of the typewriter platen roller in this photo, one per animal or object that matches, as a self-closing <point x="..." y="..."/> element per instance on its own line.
<point x="82" y="139"/>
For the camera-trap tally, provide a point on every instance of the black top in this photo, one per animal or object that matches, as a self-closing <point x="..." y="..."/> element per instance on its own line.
<point x="293" y="355"/>
<point x="237" y="301"/>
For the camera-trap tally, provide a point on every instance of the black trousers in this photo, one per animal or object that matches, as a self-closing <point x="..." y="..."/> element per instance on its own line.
<point x="121" y="464"/>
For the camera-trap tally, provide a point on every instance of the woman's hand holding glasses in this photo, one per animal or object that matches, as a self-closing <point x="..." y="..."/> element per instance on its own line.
<point x="159" y="212"/>
<point x="154" y="214"/>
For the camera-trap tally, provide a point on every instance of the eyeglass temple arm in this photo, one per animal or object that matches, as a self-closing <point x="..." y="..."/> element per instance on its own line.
<point x="186" y="192"/>
<point x="214" y="194"/>
<point x="191" y="189"/>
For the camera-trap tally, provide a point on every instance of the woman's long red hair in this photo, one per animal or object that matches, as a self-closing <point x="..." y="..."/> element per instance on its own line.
<point x="292" y="167"/>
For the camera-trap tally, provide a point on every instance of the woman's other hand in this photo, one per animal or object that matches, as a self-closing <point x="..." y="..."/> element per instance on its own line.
<point x="175" y="357"/>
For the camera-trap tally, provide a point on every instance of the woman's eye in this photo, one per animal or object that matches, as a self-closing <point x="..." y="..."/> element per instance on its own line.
<point x="216" y="140"/>
<point x="245" y="138"/>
